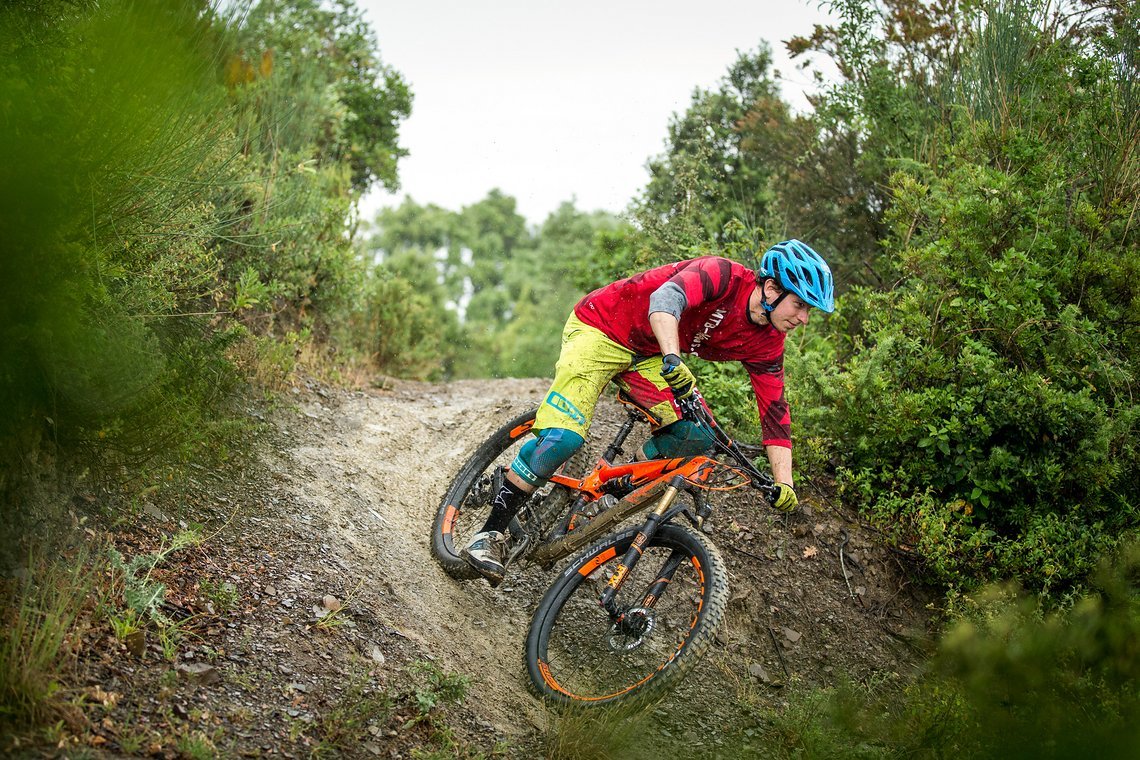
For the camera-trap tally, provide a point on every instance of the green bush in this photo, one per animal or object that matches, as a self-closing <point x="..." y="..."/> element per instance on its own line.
<point x="1005" y="681"/>
<point x="402" y="330"/>
<point x="111" y="126"/>
<point x="117" y="135"/>
<point x="159" y="185"/>
<point x="983" y="409"/>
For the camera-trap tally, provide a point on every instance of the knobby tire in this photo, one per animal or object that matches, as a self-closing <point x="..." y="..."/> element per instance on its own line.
<point x="466" y="505"/>
<point x="572" y="654"/>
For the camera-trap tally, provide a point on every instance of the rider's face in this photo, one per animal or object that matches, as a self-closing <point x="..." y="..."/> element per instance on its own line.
<point x="787" y="316"/>
<point x="790" y="314"/>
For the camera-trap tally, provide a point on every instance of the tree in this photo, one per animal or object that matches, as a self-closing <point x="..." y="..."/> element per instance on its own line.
<point x="705" y="178"/>
<point x="318" y="119"/>
<point x="509" y="288"/>
<point x="323" y="61"/>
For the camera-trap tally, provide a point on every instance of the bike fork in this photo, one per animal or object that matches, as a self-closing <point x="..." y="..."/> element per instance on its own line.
<point x="633" y="554"/>
<point x="663" y="579"/>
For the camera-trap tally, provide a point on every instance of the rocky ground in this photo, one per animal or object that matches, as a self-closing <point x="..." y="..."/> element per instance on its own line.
<point x="306" y="616"/>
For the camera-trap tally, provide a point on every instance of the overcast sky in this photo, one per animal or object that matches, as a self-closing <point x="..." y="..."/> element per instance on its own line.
<point x="557" y="101"/>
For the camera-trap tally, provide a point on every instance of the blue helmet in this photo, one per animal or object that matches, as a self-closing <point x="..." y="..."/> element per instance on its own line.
<point x="800" y="270"/>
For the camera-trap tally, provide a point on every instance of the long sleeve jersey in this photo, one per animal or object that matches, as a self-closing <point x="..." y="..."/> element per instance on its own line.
<point x="714" y="325"/>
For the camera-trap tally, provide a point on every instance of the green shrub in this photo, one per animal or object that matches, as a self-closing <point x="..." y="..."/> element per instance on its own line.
<point x="112" y="131"/>
<point x="1007" y="680"/>
<point x="402" y="331"/>
<point x="159" y="188"/>
<point x="981" y="411"/>
<point x="984" y="409"/>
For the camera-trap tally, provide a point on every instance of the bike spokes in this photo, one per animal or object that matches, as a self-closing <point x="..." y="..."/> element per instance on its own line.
<point x="591" y="656"/>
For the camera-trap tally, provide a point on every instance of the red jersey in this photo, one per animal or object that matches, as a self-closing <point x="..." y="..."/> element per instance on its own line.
<point x="714" y="325"/>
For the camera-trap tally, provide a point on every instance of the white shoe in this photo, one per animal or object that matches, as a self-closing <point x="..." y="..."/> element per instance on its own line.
<point x="485" y="552"/>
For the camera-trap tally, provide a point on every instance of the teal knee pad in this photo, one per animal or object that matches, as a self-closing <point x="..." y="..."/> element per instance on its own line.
<point x="681" y="439"/>
<point x="540" y="457"/>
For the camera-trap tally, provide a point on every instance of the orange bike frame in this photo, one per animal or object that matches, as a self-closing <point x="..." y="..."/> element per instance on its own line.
<point x="643" y="476"/>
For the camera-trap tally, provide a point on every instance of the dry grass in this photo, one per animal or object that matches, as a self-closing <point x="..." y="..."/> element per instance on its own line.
<point x="40" y="614"/>
<point x="597" y="733"/>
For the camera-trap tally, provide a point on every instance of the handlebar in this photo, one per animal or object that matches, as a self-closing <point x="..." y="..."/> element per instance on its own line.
<point x="693" y="408"/>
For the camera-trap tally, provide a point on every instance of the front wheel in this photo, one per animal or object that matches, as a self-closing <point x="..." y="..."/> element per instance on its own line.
<point x="672" y="602"/>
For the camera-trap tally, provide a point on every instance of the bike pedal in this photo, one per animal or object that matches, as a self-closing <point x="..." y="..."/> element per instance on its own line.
<point x="516" y="551"/>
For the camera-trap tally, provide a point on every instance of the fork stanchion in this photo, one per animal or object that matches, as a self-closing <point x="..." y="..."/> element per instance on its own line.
<point x="663" y="579"/>
<point x="653" y="519"/>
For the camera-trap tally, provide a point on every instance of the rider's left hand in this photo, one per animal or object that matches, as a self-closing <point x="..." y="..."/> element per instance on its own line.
<point x="785" y="499"/>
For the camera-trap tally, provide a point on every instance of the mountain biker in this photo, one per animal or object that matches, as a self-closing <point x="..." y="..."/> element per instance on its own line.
<point x="634" y="332"/>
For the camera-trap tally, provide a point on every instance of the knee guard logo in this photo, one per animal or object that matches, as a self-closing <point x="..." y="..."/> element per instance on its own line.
<point x="563" y="404"/>
<point x="520" y="468"/>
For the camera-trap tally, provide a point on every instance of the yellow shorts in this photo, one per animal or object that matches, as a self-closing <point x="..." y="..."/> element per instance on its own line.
<point x="588" y="361"/>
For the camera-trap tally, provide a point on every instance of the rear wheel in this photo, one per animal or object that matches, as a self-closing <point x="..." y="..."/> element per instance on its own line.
<point x="467" y="504"/>
<point x="673" y="602"/>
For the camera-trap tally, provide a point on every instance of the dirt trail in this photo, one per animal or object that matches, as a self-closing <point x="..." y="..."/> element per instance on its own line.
<point x="814" y="595"/>
<point x="378" y="471"/>
<point x="340" y="504"/>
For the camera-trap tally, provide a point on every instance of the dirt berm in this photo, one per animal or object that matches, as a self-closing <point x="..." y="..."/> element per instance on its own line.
<point x="341" y="506"/>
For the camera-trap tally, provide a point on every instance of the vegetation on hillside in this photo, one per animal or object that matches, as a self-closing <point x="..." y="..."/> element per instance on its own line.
<point x="983" y="406"/>
<point x="973" y="178"/>
<point x="178" y="187"/>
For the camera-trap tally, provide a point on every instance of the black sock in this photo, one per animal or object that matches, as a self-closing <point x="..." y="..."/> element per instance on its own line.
<point x="504" y="505"/>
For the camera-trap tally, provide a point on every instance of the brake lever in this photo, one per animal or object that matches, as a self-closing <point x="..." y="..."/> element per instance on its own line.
<point x="692" y="409"/>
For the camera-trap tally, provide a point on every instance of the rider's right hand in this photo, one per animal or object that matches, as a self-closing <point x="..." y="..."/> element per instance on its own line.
<point x="679" y="377"/>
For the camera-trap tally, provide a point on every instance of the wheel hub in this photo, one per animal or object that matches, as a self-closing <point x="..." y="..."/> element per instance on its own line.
<point x="632" y="629"/>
